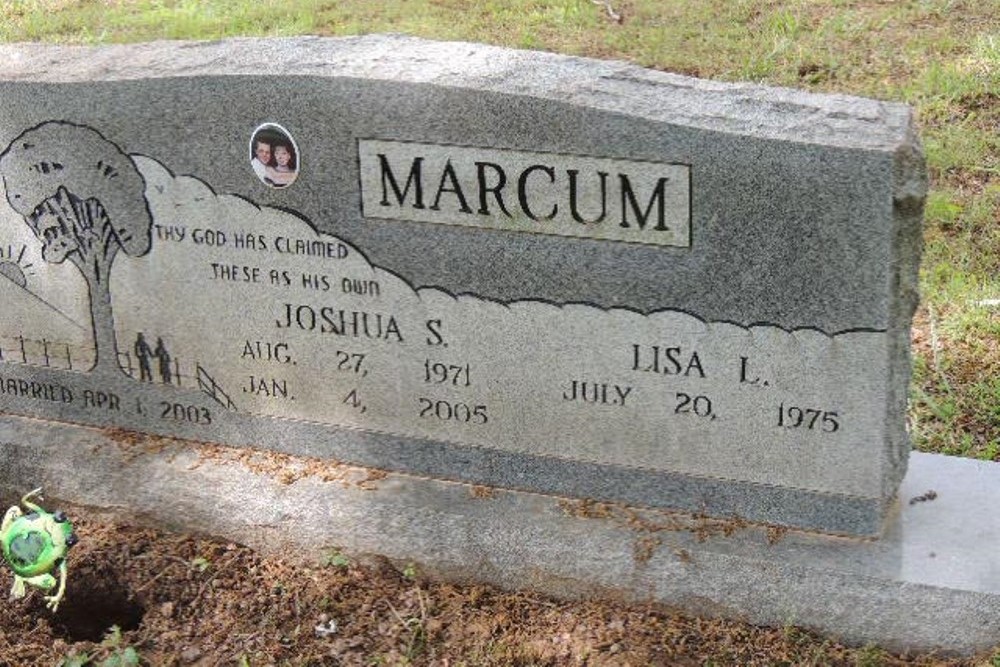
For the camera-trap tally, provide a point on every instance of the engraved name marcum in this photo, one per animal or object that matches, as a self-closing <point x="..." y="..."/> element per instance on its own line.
<point x="541" y="193"/>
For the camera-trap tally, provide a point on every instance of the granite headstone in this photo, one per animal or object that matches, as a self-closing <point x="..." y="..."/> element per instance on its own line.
<point x="519" y="270"/>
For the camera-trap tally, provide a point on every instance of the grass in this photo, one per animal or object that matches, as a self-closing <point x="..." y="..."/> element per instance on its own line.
<point x="941" y="56"/>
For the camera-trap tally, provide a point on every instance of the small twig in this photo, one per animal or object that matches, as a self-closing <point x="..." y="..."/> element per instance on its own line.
<point x="399" y="617"/>
<point x="615" y="16"/>
<point x="935" y="357"/>
<point x="423" y="607"/>
<point x="204" y="585"/>
<point x="162" y="572"/>
<point x="153" y="580"/>
<point x="217" y="568"/>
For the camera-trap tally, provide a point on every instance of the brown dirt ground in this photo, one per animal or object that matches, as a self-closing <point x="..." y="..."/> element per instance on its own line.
<point x="188" y="600"/>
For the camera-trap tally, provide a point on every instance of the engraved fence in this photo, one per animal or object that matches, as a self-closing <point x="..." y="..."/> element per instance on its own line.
<point x="68" y="356"/>
<point x="43" y="352"/>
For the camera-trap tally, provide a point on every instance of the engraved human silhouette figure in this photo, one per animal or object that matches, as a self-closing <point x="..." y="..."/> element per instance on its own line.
<point x="163" y="359"/>
<point x="84" y="200"/>
<point x="142" y="354"/>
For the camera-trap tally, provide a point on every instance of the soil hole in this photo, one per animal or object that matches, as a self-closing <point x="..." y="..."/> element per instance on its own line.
<point x="92" y="606"/>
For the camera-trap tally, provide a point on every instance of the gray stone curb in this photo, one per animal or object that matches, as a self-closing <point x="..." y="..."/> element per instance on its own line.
<point x="932" y="582"/>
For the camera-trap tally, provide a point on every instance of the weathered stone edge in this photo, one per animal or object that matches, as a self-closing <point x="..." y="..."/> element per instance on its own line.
<point x="909" y="191"/>
<point x="745" y="108"/>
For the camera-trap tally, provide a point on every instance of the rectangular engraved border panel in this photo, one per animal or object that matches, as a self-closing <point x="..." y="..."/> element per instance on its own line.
<point x="607" y="199"/>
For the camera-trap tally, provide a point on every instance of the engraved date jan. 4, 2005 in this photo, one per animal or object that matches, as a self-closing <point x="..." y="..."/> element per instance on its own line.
<point x="453" y="411"/>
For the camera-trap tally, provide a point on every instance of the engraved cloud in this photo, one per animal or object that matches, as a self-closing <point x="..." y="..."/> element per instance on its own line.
<point x="296" y="324"/>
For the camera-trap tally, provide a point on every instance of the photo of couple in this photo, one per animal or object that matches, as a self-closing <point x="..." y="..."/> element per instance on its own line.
<point x="274" y="156"/>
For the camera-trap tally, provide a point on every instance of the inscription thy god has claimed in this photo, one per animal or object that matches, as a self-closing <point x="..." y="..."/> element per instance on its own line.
<point x="540" y="193"/>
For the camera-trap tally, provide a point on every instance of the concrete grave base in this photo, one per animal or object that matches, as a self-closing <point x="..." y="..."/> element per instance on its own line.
<point x="931" y="582"/>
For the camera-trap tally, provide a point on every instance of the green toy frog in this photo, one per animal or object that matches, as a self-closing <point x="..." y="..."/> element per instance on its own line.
<point x="34" y="544"/>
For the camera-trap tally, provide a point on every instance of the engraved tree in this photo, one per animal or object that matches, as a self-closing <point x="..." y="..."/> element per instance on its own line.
<point x="84" y="200"/>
